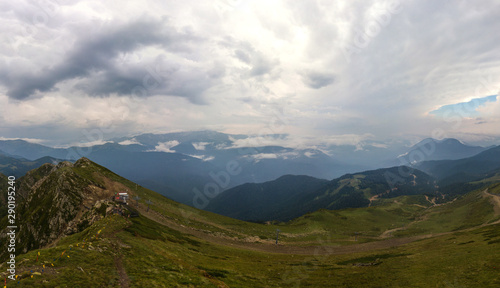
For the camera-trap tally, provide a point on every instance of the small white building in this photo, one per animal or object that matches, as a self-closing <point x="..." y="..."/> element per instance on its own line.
<point x="121" y="197"/>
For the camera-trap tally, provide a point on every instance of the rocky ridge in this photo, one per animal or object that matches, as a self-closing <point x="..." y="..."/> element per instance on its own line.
<point x="58" y="200"/>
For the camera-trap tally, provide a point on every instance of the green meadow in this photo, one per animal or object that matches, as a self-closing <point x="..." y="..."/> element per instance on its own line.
<point x="399" y="242"/>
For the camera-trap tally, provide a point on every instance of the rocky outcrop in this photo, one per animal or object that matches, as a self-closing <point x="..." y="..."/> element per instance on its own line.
<point x="58" y="200"/>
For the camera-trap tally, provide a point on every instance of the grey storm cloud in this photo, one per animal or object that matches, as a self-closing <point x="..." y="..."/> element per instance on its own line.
<point x="159" y="77"/>
<point x="339" y="67"/>
<point x="242" y="56"/>
<point x="317" y="80"/>
<point x="93" y="61"/>
<point x="260" y="63"/>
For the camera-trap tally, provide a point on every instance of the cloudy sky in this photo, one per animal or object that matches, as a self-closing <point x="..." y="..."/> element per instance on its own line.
<point x="341" y="72"/>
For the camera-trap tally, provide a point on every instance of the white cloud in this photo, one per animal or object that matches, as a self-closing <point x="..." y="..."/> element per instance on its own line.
<point x="261" y="156"/>
<point x="166" y="146"/>
<point x="279" y="155"/>
<point x="490" y="110"/>
<point x="30" y="140"/>
<point x="203" y="157"/>
<point x="224" y="65"/>
<point x="90" y="144"/>
<point x="346" y="139"/>
<point x="309" y="154"/>
<point x="379" y="145"/>
<point x="132" y="141"/>
<point x="265" y="156"/>
<point x="260" y="141"/>
<point x="200" y="145"/>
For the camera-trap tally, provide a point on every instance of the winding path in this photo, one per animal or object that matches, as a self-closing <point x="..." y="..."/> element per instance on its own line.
<point x="270" y="247"/>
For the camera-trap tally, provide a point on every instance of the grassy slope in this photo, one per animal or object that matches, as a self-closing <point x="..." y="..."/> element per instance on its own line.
<point x="154" y="255"/>
<point x="370" y="222"/>
<point x="470" y="210"/>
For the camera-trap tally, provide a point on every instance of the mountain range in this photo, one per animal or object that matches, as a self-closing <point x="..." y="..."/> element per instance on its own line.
<point x="463" y="170"/>
<point x="182" y="165"/>
<point x="439" y="179"/>
<point x="289" y="197"/>
<point x="176" y="164"/>
<point x="17" y="166"/>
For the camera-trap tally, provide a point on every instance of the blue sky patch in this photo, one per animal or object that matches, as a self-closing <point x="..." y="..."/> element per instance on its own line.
<point x="463" y="109"/>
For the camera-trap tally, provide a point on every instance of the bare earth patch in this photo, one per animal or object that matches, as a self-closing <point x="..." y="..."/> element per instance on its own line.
<point x="123" y="280"/>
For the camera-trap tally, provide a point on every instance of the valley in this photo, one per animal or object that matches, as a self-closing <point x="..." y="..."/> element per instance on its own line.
<point x="396" y="240"/>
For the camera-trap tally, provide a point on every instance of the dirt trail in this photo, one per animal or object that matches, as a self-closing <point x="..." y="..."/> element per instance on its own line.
<point x="495" y="200"/>
<point x="387" y="233"/>
<point x="270" y="247"/>
<point x="373" y="198"/>
<point x="432" y="201"/>
<point x="124" y="281"/>
<point x="284" y="249"/>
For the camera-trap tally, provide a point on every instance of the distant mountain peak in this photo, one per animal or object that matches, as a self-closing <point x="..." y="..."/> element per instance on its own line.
<point x="451" y="141"/>
<point x="439" y="141"/>
<point x="82" y="162"/>
<point x="444" y="141"/>
<point x="444" y="149"/>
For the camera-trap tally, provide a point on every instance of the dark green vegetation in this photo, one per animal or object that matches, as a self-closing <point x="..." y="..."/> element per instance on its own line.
<point x="174" y="245"/>
<point x="291" y="196"/>
<point x="266" y="201"/>
<point x="257" y="202"/>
